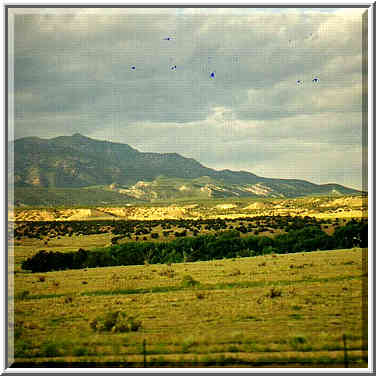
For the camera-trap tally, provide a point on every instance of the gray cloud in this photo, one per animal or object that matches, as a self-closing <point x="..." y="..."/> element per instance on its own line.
<point x="73" y="73"/>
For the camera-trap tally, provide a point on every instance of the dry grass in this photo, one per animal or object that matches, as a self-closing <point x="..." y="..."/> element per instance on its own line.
<point x="230" y="314"/>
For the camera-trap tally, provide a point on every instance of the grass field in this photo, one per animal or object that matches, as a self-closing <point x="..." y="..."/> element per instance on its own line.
<point x="268" y="311"/>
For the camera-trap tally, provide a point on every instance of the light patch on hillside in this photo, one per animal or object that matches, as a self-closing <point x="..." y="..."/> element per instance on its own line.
<point x="259" y="189"/>
<point x="226" y="206"/>
<point x="255" y="205"/>
<point x="184" y="188"/>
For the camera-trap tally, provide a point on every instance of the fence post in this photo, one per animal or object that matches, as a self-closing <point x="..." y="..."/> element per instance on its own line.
<point x="144" y="351"/>
<point x="346" y="359"/>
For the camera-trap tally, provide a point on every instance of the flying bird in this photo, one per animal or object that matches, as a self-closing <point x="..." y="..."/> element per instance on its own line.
<point x="168" y="38"/>
<point x="212" y="75"/>
<point x="133" y="67"/>
<point x="315" y="79"/>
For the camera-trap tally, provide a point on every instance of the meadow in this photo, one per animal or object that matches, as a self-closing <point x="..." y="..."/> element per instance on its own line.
<point x="288" y="310"/>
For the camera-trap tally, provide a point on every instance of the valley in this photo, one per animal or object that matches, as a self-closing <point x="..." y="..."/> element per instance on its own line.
<point x="119" y="258"/>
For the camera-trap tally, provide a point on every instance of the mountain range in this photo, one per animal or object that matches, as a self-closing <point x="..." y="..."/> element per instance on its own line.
<point x="80" y="163"/>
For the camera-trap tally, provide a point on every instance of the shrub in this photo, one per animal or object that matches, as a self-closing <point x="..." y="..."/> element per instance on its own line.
<point x="295" y="316"/>
<point x="244" y="253"/>
<point x="24" y="294"/>
<point x="228" y="234"/>
<point x="169" y="272"/>
<point x="233" y="348"/>
<point x="274" y="292"/>
<point x="188" y="281"/>
<point x="353" y="234"/>
<point x="188" y="343"/>
<point x="117" y="321"/>
<point x="68" y="299"/>
<point x="18" y="330"/>
<point x="200" y="295"/>
<point x="50" y="349"/>
<point x="80" y="351"/>
<point x="296" y="307"/>
<point x="234" y="272"/>
<point x="22" y="348"/>
<point x="298" y="340"/>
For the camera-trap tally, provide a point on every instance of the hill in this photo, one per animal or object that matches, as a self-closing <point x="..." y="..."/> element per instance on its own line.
<point x="43" y="167"/>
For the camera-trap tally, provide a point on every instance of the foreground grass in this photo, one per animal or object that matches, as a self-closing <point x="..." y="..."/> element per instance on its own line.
<point x="276" y="311"/>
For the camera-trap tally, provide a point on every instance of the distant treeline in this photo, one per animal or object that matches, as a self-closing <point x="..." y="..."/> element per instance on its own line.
<point x="227" y="244"/>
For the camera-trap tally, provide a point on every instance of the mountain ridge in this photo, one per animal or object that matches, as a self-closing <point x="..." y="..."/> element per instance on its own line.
<point x="79" y="162"/>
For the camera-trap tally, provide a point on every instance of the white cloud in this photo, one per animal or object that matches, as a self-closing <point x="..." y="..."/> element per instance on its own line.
<point x="72" y="74"/>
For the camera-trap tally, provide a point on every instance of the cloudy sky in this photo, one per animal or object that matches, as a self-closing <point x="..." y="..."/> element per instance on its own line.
<point x="110" y="74"/>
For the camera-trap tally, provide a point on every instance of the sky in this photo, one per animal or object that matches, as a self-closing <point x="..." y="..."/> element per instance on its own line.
<point x="276" y="92"/>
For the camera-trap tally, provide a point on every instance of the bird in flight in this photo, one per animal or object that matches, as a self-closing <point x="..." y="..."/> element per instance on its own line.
<point x="212" y="75"/>
<point x="315" y="79"/>
<point x="167" y="38"/>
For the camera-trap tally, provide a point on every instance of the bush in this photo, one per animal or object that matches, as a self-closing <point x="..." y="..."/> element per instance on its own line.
<point x="68" y="299"/>
<point x="50" y="349"/>
<point x="115" y="322"/>
<point x="22" y="348"/>
<point x="188" y="281"/>
<point x="80" y="351"/>
<point x="200" y="295"/>
<point x="353" y="234"/>
<point x="226" y="244"/>
<point x="234" y="272"/>
<point x="23" y="294"/>
<point x="298" y="340"/>
<point x="274" y="293"/>
<point x="244" y="253"/>
<point x="169" y="272"/>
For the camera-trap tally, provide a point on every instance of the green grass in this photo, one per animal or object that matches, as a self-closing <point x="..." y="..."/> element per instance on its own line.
<point x="188" y="283"/>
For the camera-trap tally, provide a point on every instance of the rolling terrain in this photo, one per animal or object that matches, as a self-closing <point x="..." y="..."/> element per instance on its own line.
<point x="267" y="311"/>
<point x="319" y="207"/>
<point x="289" y="309"/>
<point x="288" y="305"/>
